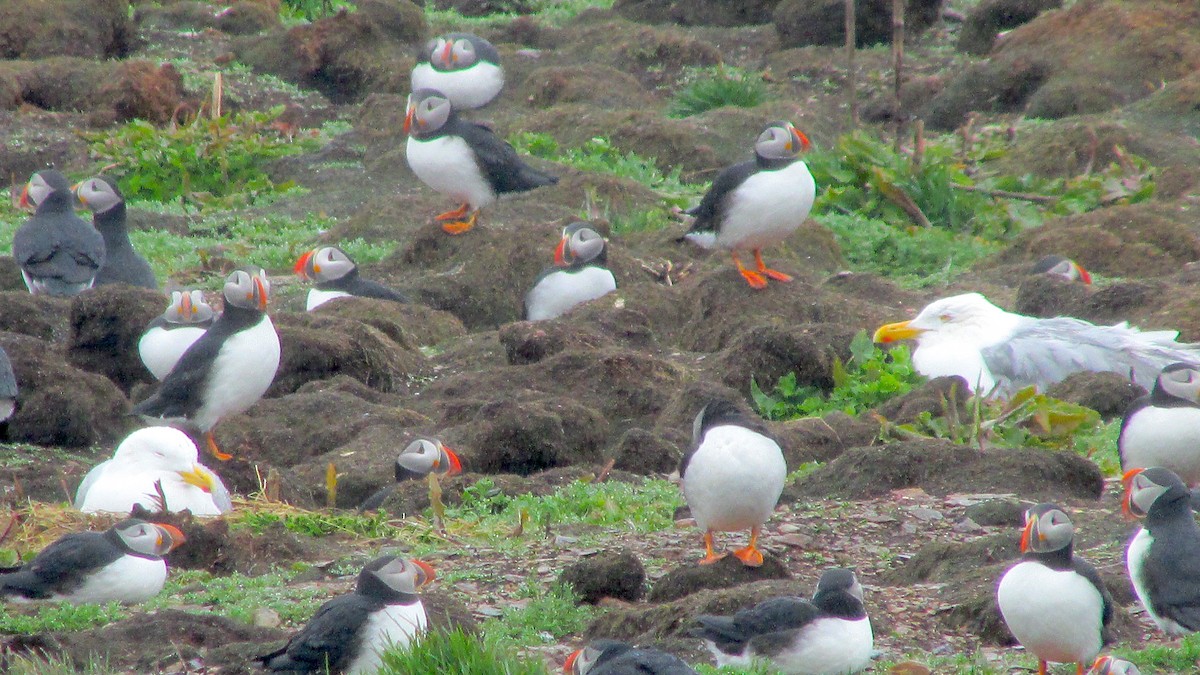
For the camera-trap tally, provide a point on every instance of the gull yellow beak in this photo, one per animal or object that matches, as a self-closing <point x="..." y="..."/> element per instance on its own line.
<point x="200" y="477"/>
<point x="896" y="331"/>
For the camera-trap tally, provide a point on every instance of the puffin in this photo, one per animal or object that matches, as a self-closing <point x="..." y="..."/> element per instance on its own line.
<point x="1063" y="268"/>
<point x="169" y="335"/>
<point x="349" y="633"/>
<point x="757" y="203"/>
<point x="122" y="564"/>
<point x="419" y="459"/>
<point x="8" y="387"/>
<point x="228" y="368"/>
<point x="732" y="477"/>
<point x="462" y="160"/>
<point x="1002" y="352"/>
<point x="1053" y="601"/>
<point x="612" y="657"/>
<point x="1163" y="558"/>
<point x="337" y="276"/>
<point x="831" y="635"/>
<point x="578" y="275"/>
<point x="153" y="465"/>
<point x="122" y="264"/>
<point x="1111" y="665"/>
<point x="463" y="66"/>
<point x="1163" y="427"/>
<point x="59" y="253"/>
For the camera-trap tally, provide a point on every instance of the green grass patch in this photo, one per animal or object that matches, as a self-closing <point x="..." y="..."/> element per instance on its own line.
<point x="59" y="616"/>
<point x="375" y="525"/>
<point x="440" y="651"/>
<point x="718" y="87"/>
<point x="238" y="596"/>
<point x="20" y="664"/>
<point x="547" y="616"/>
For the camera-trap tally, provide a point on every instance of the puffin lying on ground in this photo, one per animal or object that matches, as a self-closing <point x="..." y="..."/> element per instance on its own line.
<point x="611" y="657"/>
<point x="349" y="633"/>
<point x="829" y="636"/>
<point x="419" y="459"/>
<point x="59" y="253"/>
<point x="1065" y="268"/>
<point x="579" y="275"/>
<point x="759" y="203"/>
<point x="462" y="160"/>
<point x="1111" y="665"/>
<point x="228" y="369"/>
<point x="170" y="334"/>
<point x="122" y="264"/>
<point x="1054" y="601"/>
<point x="337" y="276"/>
<point x="122" y="564"/>
<point x="464" y="67"/>
<point x="1163" y="558"/>
<point x="997" y="350"/>
<point x="149" y="460"/>
<point x="732" y="478"/>
<point x="1163" y="427"/>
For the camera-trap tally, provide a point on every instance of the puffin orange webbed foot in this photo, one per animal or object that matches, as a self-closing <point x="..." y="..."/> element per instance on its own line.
<point x="750" y="557"/>
<point x="456" y="214"/>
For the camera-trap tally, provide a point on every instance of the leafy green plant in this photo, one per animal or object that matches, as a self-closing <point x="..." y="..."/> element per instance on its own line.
<point x="62" y="616"/>
<point x="869" y="378"/>
<point x="716" y="88"/>
<point x="440" y="651"/>
<point x="546" y="617"/>
<point x="374" y="525"/>
<point x="311" y="10"/>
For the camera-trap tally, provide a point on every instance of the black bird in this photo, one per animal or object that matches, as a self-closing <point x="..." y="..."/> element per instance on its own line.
<point x="1058" y="266"/>
<point x="463" y="66"/>
<point x="610" y="657"/>
<point x="578" y="275"/>
<point x="462" y="160"/>
<point x="419" y="459"/>
<point x="59" y="252"/>
<point x="337" y="277"/>
<point x="8" y="387"/>
<point x="349" y="633"/>
<point x="1163" y="427"/>
<point x="122" y="264"/>
<point x="1163" y="558"/>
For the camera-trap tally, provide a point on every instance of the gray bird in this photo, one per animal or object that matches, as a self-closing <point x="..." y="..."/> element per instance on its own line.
<point x="59" y="253"/>
<point x="122" y="264"/>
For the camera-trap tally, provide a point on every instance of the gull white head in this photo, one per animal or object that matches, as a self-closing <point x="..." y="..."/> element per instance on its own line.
<point x="968" y="318"/>
<point x="164" y="449"/>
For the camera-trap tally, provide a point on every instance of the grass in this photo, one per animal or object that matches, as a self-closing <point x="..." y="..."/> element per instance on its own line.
<point x="239" y="597"/>
<point x="19" y="664"/>
<point x="456" y="652"/>
<point x="547" y="617"/>
<point x="59" y="616"/>
<point x="717" y="87"/>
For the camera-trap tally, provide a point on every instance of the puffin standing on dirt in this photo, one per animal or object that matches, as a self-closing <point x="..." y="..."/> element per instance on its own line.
<point x="122" y="564"/>
<point x="1111" y="665"/>
<point x="122" y="264"/>
<point x="1054" y="601"/>
<point x="579" y="275"/>
<point x="829" y="636"/>
<point x="732" y="478"/>
<point x="170" y="334"/>
<point x="59" y="253"/>
<point x="611" y="657"/>
<point x="463" y="66"/>
<point x="463" y="160"/>
<point x="1163" y="558"/>
<point x="228" y="369"/>
<point x="1064" y="268"/>
<point x="759" y="203"/>
<point x="349" y="633"/>
<point x="156" y="468"/>
<point x="1163" y="427"/>
<point x="337" y="276"/>
<point x="419" y="459"/>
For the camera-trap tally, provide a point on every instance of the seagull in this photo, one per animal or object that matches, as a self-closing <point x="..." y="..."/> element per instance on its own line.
<point x="995" y="350"/>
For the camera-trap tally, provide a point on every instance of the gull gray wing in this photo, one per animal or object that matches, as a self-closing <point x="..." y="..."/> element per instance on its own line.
<point x="220" y="495"/>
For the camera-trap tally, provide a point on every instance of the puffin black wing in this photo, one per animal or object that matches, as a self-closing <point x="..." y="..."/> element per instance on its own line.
<point x="1174" y="587"/>
<point x="499" y="162"/>
<point x="328" y="643"/>
<point x="1085" y="569"/>
<point x="643" y="662"/>
<point x="366" y="288"/>
<point x="712" y="206"/>
<point x="730" y="634"/>
<point x="61" y="565"/>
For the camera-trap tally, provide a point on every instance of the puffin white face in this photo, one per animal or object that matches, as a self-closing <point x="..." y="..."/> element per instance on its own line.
<point x="405" y="576"/>
<point x="1109" y="665"/>
<point x="35" y="192"/>
<point x="1047" y="528"/>
<point x="1181" y="381"/>
<point x="424" y="456"/>
<point x="582" y="661"/>
<point x="579" y="243"/>
<point x="1143" y="487"/>
<point x="168" y="450"/>
<point x="428" y="111"/>
<point x="331" y="263"/>
<point x="780" y="140"/>
<point x="155" y="539"/>
<point x="97" y="194"/>
<point x="188" y="307"/>
<point x="248" y="289"/>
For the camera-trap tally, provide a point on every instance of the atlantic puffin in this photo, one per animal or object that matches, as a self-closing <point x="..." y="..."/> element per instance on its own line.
<point x="122" y="264"/>
<point x="59" y="253"/>
<point x="1111" y="665"/>
<point x="463" y="160"/>
<point x="1053" y="601"/>
<point x="1063" y="268"/>
<point x="611" y="657"/>
<point x="1163" y="558"/>
<point x="228" y="369"/>
<point x="732" y="478"/>
<point x="170" y="334"/>
<point x="122" y="564"/>
<point x="349" y="633"/>
<point x="153" y="467"/>
<point x="419" y="459"/>
<point x="1163" y="427"/>
<point x="759" y="203"/>
<point x="8" y="387"/>
<point x="337" y="276"/>
<point x="463" y="66"/>
<point x="579" y="275"/>
<point x="831" y="635"/>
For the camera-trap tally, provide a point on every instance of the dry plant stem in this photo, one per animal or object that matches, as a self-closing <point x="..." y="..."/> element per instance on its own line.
<point x="1038" y="199"/>
<point x="898" y="62"/>
<point x="851" y="72"/>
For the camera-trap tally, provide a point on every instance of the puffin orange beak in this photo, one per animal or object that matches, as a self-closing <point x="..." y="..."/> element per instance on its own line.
<point x="1027" y="534"/>
<point x="448" y="52"/>
<point x="302" y="263"/>
<point x="408" y="119"/>
<point x="455" y="463"/>
<point x="1101" y="666"/>
<point x="896" y="331"/>
<point x="177" y="538"/>
<point x="1127" y="501"/>
<point x="186" y="308"/>
<point x="23" y="201"/>
<point x="560" y="253"/>
<point x="260" y="293"/>
<point x="569" y="665"/>
<point x="1084" y="276"/>
<point x="805" y="145"/>
<point x="430" y="575"/>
